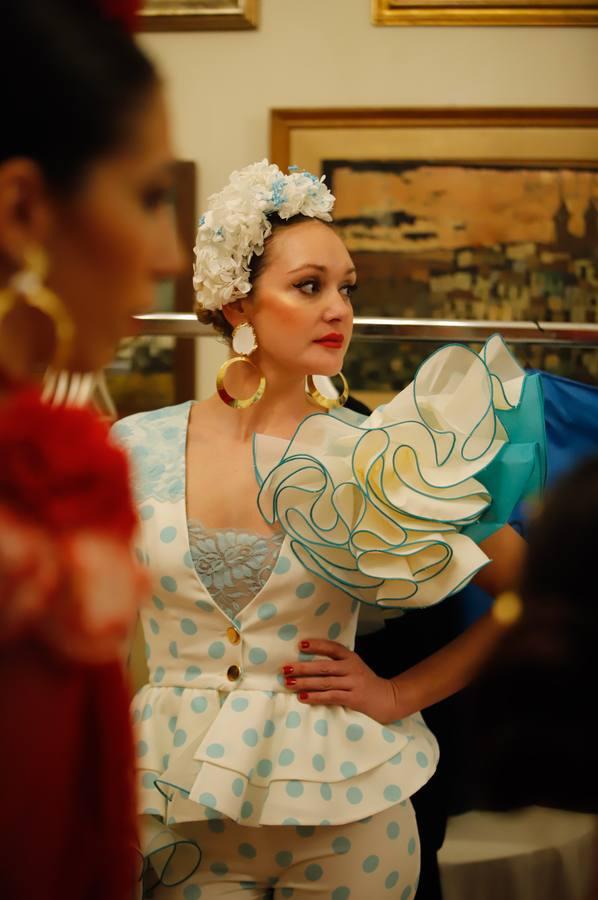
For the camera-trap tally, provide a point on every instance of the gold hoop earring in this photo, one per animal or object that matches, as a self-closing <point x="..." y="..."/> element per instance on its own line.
<point x="322" y="401"/>
<point x="28" y="285"/>
<point x="244" y="343"/>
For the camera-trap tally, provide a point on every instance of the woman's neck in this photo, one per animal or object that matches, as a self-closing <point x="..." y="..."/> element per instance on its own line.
<point x="26" y="344"/>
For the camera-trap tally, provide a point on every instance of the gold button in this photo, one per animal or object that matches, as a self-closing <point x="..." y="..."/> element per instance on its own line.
<point x="233" y="635"/>
<point x="233" y="673"/>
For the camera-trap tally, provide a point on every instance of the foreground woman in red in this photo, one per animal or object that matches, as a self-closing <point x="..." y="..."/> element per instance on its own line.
<point x="84" y="234"/>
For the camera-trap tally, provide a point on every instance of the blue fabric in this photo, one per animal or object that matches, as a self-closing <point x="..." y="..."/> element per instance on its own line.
<point x="571" y="424"/>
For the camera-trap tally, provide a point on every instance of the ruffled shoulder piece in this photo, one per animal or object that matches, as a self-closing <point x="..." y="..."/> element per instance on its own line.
<point x="155" y="443"/>
<point x="391" y="510"/>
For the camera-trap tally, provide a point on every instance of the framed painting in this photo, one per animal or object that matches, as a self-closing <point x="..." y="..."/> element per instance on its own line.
<point x="485" y="12"/>
<point x="199" y="15"/>
<point x="149" y="372"/>
<point x="459" y="214"/>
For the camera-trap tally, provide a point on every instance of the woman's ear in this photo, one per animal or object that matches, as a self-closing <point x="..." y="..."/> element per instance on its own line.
<point x="236" y="312"/>
<point x="24" y="211"/>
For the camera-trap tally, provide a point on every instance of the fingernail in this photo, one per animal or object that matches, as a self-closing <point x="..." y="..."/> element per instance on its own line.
<point x="304" y="645"/>
<point x="302" y="695"/>
<point x="288" y="670"/>
<point x="291" y="682"/>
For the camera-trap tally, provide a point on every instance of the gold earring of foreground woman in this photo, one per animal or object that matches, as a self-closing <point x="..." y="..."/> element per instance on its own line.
<point x="320" y="399"/>
<point x="244" y="343"/>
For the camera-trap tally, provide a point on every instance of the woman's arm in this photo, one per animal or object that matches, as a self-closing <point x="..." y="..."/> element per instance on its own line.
<point x="344" y="679"/>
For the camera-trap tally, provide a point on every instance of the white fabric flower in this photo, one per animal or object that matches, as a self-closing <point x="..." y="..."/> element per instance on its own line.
<point x="236" y="225"/>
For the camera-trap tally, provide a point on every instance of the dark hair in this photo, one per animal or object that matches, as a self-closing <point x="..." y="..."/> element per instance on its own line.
<point x="71" y="80"/>
<point x="257" y="264"/>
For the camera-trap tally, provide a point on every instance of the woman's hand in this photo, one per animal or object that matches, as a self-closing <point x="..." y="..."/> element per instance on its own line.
<point x="342" y="679"/>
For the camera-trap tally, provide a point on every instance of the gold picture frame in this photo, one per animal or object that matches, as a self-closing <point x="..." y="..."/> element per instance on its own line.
<point x="199" y="15"/>
<point x="482" y="12"/>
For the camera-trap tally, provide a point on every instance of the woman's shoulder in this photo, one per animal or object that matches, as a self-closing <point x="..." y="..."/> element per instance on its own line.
<point x="155" y="423"/>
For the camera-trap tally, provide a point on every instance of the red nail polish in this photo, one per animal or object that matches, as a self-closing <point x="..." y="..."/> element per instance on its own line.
<point x="291" y="682"/>
<point x="302" y="695"/>
<point x="304" y="645"/>
<point x="288" y="670"/>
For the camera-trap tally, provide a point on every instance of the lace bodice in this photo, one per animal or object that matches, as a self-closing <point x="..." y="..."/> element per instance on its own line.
<point x="233" y="564"/>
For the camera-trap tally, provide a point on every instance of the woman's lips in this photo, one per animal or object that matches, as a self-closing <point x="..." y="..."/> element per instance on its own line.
<point x="331" y="340"/>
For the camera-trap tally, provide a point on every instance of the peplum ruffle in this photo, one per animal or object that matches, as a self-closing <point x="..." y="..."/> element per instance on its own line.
<point x="390" y="510"/>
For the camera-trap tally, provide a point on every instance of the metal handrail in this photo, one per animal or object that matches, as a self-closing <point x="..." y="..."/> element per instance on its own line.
<point x="571" y="334"/>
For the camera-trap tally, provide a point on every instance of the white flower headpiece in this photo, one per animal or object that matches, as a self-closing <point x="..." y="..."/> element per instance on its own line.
<point x="236" y="224"/>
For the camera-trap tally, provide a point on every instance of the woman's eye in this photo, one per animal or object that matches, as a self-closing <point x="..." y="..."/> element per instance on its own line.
<point x="310" y="286"/>
<point x="348" y="290"/>
<point x="155" y="197"/>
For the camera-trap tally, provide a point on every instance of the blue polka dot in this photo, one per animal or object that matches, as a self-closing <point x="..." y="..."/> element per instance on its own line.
<point x="322" y="609"/>
<point x="295" y="789"/>
<point x="391" y="880"/>
<point x="411" y="846"/>
<point x="354" y="733"/>
<point x="148" y="780"/>
<point x="293" y="720"/>
<point x="313" y="872"/>
<point x="148" y="650"/>
<point x="318" y="762"/>
<point x="269" y="728"/>
<point x="180" y="737"/>
<point x="188" y="626"/>
<point x="192" y="672"/>
<point x="370" y="863"/>
<point x="348" y="769"/>
<point x="155" y="628"/>
<point x="266" y="611"/>
<point x="287" y="632"/>
<point x="216" y="650"/>
<point x="393" y="830"/>
<point x="204" y="605"/>
<point x="286" y="757"/>
<point x="396" y="760"/>
<point x="178" y="691"/>
<point x="290" y="821"/>
<point x="248" y="851"/>
<point x="199" y="704"/>
<point x="207" y="799"/>
<point x="215" y="751"/>
<point x="283" y="565"/>
<point x="341" y="893"/>
<point x="406" y="893"/>
<point x="239" y="704"/>
<point x="422" y="760"/>
<point x="284" y="858"/>
<point x="354" y="796"/>
<point x="188" y="560"/>
<point x="334" y="631"/>
<point x="264" y="768"/>
<point x="137" y="716"/>
<point x="257" y="656"/>
<point x="142" y="748"/>
<point x="168" y="583"/>
<point x="341" y="845"/>
<point x="165" y="760"/>
<point x="173" y="650"/>
<point x="305" y="830"/>
<point x="250" y="737"/>
<point x="159" y="674"/>
<point x="321" y="727"/>
<point x="192" y="892"/>
<point x="388" y="735"/>
<point x="392" y="793"/>
<point x="238" y="787"/>
<point x="287" y="892"/>
<point x="326" y="792"/>
<point x="146" y="512"/>
<point x="305" y="590"/>
<point x="159" y="604"/>
<point x="216" y="826"/>
<point x="172" y="724"/>
<point x="219" y="868"/>
<point x="246" y="810"/>
<point x="167" y="535"/>
<point x="147" y="712"/>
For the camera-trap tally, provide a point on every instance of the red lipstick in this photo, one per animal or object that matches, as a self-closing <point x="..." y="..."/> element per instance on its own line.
<point x="333" y="340"/>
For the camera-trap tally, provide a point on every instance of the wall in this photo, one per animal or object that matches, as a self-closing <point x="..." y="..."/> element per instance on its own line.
<point x="221" y="85"/>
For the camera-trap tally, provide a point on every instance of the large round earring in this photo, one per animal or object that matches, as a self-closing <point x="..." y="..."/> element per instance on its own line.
<point x="244" y="343"/>
<point x="322" y="401"/>
<point x="28" y="285"/>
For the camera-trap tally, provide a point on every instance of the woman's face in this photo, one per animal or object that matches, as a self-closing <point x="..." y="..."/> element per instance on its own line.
<point x="301" y="309"/>
<point x="112" y="240"/>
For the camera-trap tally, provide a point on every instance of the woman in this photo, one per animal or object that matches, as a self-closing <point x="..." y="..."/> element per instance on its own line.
<point x="258" y="713"/>
<point x="84" y="234"/>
